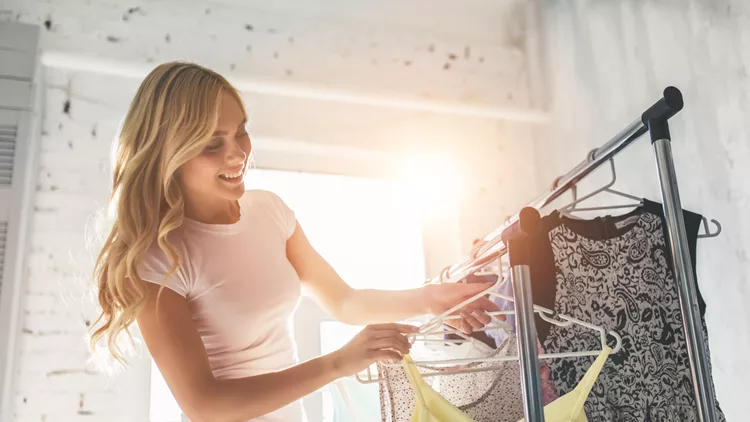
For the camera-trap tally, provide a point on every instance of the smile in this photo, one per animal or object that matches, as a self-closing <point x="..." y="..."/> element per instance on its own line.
<point x="231" y="175"/>
<point x="235" y="177"/>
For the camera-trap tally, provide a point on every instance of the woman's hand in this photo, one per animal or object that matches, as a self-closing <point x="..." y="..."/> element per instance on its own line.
<point x="441" y="297"/>
<point x="374" y="343"/>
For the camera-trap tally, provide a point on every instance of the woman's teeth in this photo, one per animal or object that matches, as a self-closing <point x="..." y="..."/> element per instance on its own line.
<point x="231" y="175"/>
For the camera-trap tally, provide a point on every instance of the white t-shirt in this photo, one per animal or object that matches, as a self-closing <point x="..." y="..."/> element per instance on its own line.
<point x="241" y="288"/>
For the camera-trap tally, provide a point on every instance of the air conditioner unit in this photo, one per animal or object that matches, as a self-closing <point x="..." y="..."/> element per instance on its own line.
<point x="20" y="126"/>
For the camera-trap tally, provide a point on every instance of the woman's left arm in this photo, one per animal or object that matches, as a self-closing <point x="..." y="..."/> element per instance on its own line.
<point x="370" y="306"/>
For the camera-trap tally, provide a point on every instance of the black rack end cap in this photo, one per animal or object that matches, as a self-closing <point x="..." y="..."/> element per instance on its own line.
<point x="528" y="219"/>
<point x="666" y="107"/>
<point x="656" y="117"/>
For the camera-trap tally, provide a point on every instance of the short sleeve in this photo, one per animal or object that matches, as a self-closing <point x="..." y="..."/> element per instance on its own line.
<point x="155" y="264"/>
<point x="282" y="214"/>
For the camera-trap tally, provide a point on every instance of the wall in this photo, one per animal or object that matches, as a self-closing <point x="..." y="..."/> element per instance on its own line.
<point x="607" y="62"/>
<point x="337" y="87"/>
<point x="309" y="63"/>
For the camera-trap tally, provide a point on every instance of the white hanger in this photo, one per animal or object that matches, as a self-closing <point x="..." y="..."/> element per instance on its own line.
<point x="437" y="327"/>
<point x="572" y="207"/>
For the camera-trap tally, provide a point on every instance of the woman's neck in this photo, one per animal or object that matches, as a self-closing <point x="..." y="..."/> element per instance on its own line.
<point x="221" y="212"/>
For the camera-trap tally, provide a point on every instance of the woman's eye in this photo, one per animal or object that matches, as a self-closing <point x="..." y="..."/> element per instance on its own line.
<point x="212" y="147"/>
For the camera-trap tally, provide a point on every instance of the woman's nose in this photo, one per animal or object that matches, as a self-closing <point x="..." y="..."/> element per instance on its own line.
<point x="235" y="154"/>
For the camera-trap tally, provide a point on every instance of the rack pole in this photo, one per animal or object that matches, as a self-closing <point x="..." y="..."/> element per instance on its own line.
<point x="656" y="118"/>
<point x="520" y="277"/>
<point x="531" y="386"/>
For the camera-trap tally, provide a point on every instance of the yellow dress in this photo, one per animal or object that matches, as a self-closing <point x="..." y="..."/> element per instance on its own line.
<point x="569" y="408"/>
<point x="432" y="407"/>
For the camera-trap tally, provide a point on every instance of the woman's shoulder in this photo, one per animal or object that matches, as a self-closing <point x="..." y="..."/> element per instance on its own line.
<point x="156" y="252"/>
<point x="263" y="199"/>
<point x="157" y="265"/>
<point x="260" y="196"/>
<point x="266" y="204"/>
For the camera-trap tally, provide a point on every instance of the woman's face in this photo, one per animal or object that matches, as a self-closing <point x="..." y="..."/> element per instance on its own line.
<point x="219" y="171"/>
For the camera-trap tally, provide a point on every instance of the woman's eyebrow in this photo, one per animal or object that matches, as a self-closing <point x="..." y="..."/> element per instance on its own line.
<point x="224" y="132"/>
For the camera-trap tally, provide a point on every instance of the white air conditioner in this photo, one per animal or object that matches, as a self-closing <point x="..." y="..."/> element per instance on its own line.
<point x="20" y="125"/>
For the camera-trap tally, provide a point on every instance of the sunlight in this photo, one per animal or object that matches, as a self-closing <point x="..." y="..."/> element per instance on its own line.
<point x="432" y="181"/>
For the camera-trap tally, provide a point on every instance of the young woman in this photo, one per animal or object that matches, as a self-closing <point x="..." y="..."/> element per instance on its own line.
<point x="232" y="262"/>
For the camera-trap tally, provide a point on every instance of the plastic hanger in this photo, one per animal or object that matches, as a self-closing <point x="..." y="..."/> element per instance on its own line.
<point x="572" y="207"/>
<point x="437" y="327"/>
<point x="708" y="232"/>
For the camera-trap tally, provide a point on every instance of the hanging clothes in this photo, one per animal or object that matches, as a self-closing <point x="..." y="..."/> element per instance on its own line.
<point x="488" y="396"/>
<point x="467" y="350"/>
<point x="616" y="272"/>
<point x="505" y="288"/>
<point x="431" y="406"/>
<point x="569" y="408"/>
<point x="549" y="392"/>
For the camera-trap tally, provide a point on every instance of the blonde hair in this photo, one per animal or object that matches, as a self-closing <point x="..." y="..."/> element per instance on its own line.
<point x="170" y="120"/>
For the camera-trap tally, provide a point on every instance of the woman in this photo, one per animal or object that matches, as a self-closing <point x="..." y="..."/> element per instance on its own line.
<point x="233" y="263"/>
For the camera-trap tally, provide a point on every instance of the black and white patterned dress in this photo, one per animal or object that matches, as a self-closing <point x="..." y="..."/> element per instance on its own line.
<point x="616" y="272"/>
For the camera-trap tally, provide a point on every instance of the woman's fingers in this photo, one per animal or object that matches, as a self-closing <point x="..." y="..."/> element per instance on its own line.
<point x="483" y="318"/>
<point x="382" y="355"/>
<point x="471" y="320"/>
<point x="401" y="328"/>
<point x="390" y="343"/>
<point x="481" y="304"/>
<point x="391" y="333"/>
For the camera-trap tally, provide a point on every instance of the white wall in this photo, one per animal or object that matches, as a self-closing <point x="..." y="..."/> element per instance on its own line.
<point x="609" y="61"/>
<point x="291" y="58"/>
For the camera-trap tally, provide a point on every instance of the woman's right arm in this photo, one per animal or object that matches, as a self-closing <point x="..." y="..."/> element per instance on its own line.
<point x="178" y="351"/>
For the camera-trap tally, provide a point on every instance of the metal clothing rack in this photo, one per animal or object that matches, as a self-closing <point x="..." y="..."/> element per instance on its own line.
<point x="655" y="121"/>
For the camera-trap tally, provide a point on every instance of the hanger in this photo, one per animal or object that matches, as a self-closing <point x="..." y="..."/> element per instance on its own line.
<point x="571" y="207"/>
<point x="437" y="327"/>
<point x="708" y="232"/>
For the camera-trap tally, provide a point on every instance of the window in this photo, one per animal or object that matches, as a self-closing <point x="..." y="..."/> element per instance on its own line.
<point x="368" y="229"/>
<point x="371" y="232"/>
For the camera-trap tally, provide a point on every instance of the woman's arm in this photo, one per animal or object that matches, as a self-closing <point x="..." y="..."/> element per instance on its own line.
<point x="368" y="306"/>
<point x="341" y="301"/>
<point x="178" y="351"/>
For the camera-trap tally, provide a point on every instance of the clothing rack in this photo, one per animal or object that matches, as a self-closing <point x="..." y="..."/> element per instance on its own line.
<point x="655" y="121"/>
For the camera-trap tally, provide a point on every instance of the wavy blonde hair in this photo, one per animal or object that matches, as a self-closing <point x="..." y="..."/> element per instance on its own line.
<point x="170" y="120"/>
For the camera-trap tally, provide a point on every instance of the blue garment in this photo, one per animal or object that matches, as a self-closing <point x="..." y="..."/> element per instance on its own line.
<point x="506" y="288"/>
